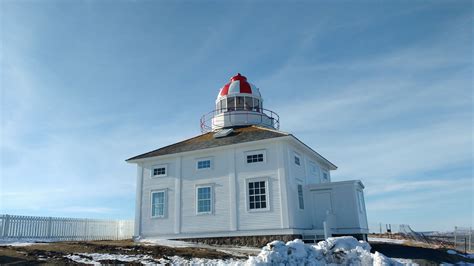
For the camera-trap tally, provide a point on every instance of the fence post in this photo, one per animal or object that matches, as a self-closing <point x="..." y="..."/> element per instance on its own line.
<point x="6" y="225"/>
<point x="50" y="225"/>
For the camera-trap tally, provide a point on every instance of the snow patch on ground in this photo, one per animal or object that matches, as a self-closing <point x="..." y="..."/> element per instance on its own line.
<point x="386" y="240"/>
<point x="95" y="258"/>
<point x="333" y="251"/>
<point x="454" y="252"/>
<point x="22" y="242"/>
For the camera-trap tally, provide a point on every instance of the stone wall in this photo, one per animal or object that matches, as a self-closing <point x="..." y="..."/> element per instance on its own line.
<point x="250" y="241"/>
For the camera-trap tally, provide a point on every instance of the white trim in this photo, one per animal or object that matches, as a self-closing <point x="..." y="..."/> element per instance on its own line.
<point x="165" y="203"/>
<point x="211" y="163"/>
<point x="255" y="152"/>
<point x="267" y="194"/>
<point x="198" y="186"/>
<point x="153" y="167"/>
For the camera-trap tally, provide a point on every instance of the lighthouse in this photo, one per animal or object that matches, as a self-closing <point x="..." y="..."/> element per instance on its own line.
<point x="239" y="103"/>
<point x="243" y="178"/>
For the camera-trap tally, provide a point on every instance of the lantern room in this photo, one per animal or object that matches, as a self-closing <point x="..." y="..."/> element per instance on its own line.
<point x="239" y="103"/>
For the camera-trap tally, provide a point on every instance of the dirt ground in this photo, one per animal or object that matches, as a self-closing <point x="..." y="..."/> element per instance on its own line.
<point x="53" y="253"/>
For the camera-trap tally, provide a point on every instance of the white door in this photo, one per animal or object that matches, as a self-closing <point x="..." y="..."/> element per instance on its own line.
<point x="322" y="204"/>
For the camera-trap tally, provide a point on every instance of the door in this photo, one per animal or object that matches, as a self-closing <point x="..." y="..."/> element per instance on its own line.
<point x="322" y="204"/>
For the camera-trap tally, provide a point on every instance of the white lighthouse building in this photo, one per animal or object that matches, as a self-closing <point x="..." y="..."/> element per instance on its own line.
<point x="243" y="178"/>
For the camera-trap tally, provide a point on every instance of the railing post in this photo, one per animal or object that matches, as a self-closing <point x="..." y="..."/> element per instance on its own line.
<point x="6" y="225"/>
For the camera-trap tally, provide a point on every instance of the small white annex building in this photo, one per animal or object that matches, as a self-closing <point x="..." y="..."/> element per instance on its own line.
<point x="243" y="177"/>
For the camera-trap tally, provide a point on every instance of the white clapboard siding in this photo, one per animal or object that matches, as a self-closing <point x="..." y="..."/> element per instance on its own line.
<point x="63" y="229"/>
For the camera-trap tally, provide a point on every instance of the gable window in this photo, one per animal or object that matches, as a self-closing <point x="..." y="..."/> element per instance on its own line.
<point x="258" y="195"/>
<point x="158" y="201"/>
<point x="204" y="199"/>
<point x="300" y="197"/>
<point x="159" y="170"/>
<point x="204" y="164"/>
<point x="297" y="160"/>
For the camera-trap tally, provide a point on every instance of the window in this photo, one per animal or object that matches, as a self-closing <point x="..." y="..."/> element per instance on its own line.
<point x="255" y="158"/>
<point x="204" y="200"/>
<point x="256" y="105"/>
<point x="248" y="105"/>
<point x="240" y="103"/>
<point x="204" y="164"/>
<point x="325" y="176"/>
<point x="158" y="200"/>
<point x="159" y="170"/>
<point x="360" y="195"/>
<point x="257" y="195"/>
<point x="300" y="197"/>
<point x="223" y="106"/>
<point x="297" y="160"/>
<point x="231" y="104"/>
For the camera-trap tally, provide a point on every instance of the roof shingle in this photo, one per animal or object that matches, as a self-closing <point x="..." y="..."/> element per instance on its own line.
<point x="207" y="140"/>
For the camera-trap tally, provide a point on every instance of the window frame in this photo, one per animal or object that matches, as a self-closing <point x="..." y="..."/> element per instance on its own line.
<point x="165" y="203"/>
<point x="255" y="152"/>
<point x="211" y="207"/>
<point x="300" y="197"/>
<point x="211" y="163"/>
<point x="267" y="194"/>
<point x="153" y="167"/>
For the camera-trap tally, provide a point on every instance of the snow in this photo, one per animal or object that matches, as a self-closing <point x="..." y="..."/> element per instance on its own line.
<point x="454" y="252"/>
<point x="386" y="240"/>
<point x="333" y="251"/>
<point x="22" y="243"/>
<point x="95" y="258"/>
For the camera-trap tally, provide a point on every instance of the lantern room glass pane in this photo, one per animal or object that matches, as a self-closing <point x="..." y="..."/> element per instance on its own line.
<point x="223" y="106"/>
<point x="231" y="104"/>
<point x="240" y="103"/>
<point x="248" y="104"/>
<point x="256" y="105"/>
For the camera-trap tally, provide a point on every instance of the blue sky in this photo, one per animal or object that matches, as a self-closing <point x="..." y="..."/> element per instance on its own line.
<point x="382" y="89"/>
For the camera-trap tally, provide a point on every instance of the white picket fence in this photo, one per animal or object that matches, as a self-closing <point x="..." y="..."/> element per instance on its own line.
<point x="63" y="229"/>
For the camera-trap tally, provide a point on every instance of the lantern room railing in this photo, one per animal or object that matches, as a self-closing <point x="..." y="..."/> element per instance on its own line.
<point x="262" y="117"/>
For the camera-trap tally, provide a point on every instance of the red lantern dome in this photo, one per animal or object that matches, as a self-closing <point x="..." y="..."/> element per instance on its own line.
<point x="239" y="84"/>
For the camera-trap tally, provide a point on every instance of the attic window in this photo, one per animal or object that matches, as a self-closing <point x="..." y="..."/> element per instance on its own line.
<point x="204" y="164"/>
<point x="255" y="158"/>
<point x="159" y="170"/>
